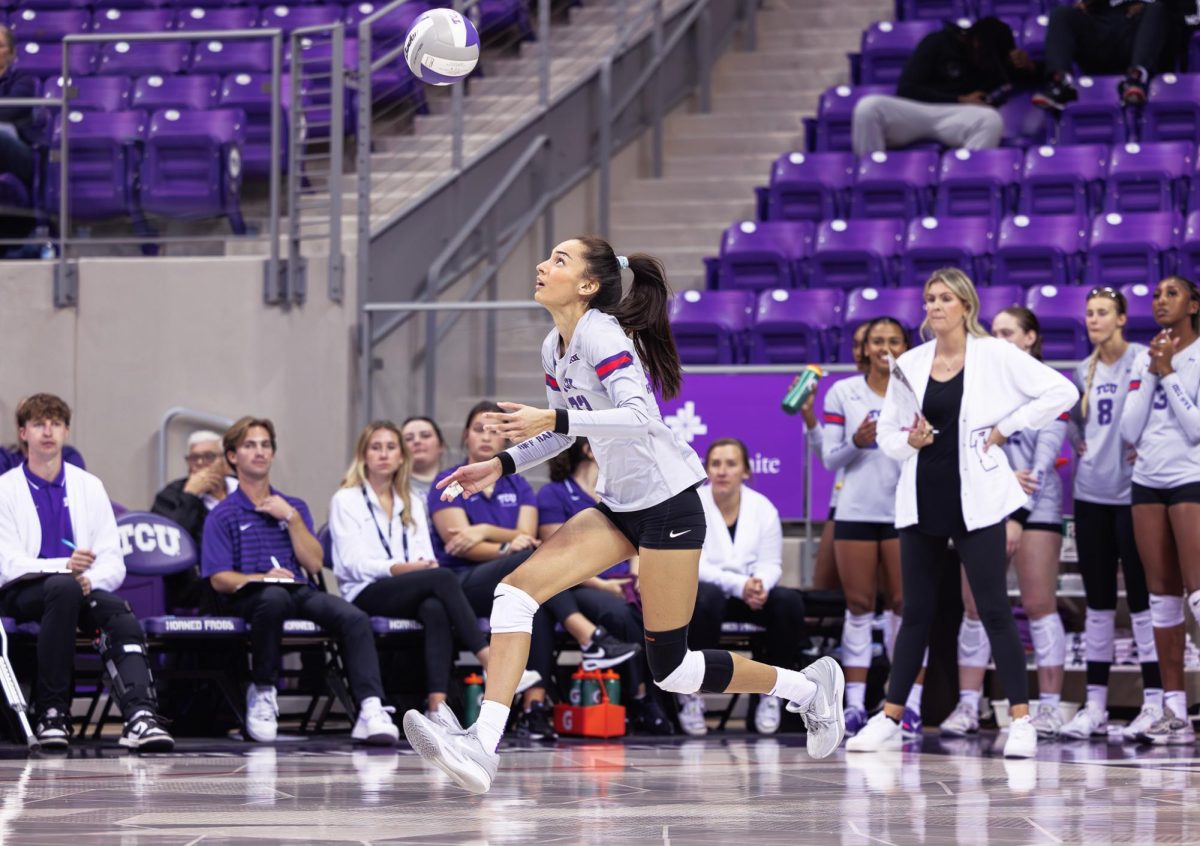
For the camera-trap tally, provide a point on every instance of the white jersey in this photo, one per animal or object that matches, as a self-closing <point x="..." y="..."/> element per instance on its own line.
<point x="601" y="384"/>
<point x="815" y="439"/>
<point x="868" y="493"/>
<point x="1038" y="450"/>
<point x="1103" y="473"/>
<point x="1162" y="421"/>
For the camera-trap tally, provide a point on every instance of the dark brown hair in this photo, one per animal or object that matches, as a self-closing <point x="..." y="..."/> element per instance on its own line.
<point x="564" y="465"/>
<point x="43" y="407"/>
<point x="437" y="430"/>
<point x="733" y="442"/>
<point x="1028" y="322"/>
<point x="236" y="433"/>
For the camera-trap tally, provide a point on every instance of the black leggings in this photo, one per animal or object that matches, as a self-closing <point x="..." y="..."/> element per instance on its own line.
<point x="620" y="620"/>
<point x="435" y="598"/>
<point x="922" y="557"/>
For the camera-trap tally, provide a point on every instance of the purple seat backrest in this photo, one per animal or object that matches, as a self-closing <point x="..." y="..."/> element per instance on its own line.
<point x="289" y="18"/>
<point x="224" y="57"/>
<point x="1189" y="250"/>
<point x="1063" y="179"/>
<point x="731" y="310"/>
<point x="1179" y="88"/>
<point x="1173" y="111"/>
<point x="1039" y="250"/>
<point x="199" y="18"/>
<point x="894" y="184"/>
<point x="820" y="308"/>
<point x="1148" y="177"/>
<point x="102" y="128"/>
<point x="1024" y="123"/>
<point x="1158" y="230"/>
<point x="1084" y="161"/>
<point x="46" y="59"/>
<point x="1011" y="8"/>
<point x="245" y="90"/>
<point x="92" y="93"/>
<point x="1097" y="91"/>
<point x="218" y="126"/>
<point x="153" y="547"/>
<point x="1033" y="35"/>
<point x="49" y="25"/>
<point x="52" y="5"/>
<point x="1169" y="159"/>
<point x="179" y="92"/>
<point x="1060" y="311"/>
<point x="1141" y="325"/>
<point x="857" y="252"/>
<point x="767" y="254"/>
<point x="993" y="299"/>
<point x="1097" y="116"/>
<point x="809" y="186"/>
<point x="1060" y="232"/>
<point x="934" y="242"/>
<point x="834" y="112"/>
<point x="134" y="58"/>
<point x="1001" y="165"/>
<point x="392" y="25"/>
<point x="133" y="20"/>
<point x="913" y="167"/>
<point x="906" y="305"/>
<point x="937" y="10"/>
<point x="886" y="46"/>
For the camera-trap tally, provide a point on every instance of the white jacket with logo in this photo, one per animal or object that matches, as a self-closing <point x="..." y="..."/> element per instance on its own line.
<point x="756" y="551"/>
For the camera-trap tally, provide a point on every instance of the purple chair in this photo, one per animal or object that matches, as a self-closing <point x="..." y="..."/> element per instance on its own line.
<point x="886" y="46"/>
<point x="894" y="184"/>
<point x="978" y="183"/>
<point x="52" y="5"/>
<point x="1060" y="312"/>
<point x="853" y="253"/>
<point x="1130" y="248"/>
<point x="835" y="111"/>
<point x="934" y="10"/>
<point x="809" y="186"/>
<point x="193" y="93"/>
<point x="193" y="165"/>
<point x="796" y="326"/>
<point x="1024" y="123"/>
<point x="995" y="298"/>
<point x="153" y="547"/>
<point x="1189" y="250"/>
<point x="91" y="93"/>
<point x="200" y="18"/>
<point x="105" y="154"/>
<point x="755" y="256"/>
<point x="1141" y="325"/>
<point x="1010" y="9"/>
<point x="1033" y="36"/>
<point x="1097" y="117"/>
<point x="393" y="25"/>
<point x="963" y="242"/>
<point x="1172" y="112"/>
<point x="228" y="57"/>
<point x="49" y="25"/>
<point x="137" y="58"/>
<point x="289" y="18"/>
<point x="1149" y="177"/>
<point x="45" y="60"/>
<point x="1039" y="250"/>
<point x="907" y="305"/>
<point x="133" y="20"/>
<point x="709" y="326"/>
<point x="251" y="92"/>
<point x="1063" y="180"/>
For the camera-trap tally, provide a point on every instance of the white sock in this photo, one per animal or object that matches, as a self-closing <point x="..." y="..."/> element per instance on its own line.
<point x="1176" y="700"/>
<point x="793" y="686"/>
<point x="856" y="694"/>
<point x="971" y="698"/>
<point x="913" y="703"/>
<point x="493" y="717"/>
<point x="1050" y="699"/>
<point x="1097" y="694"/>
<point x="1153" y="696"/>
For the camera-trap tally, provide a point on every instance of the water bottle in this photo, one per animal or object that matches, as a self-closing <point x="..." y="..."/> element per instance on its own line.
<point x="474" y="697"/>
<point x="46" y="252"/>
<point x="612" y="686"/>
<point x="802" y="387"/>
<point x="590" y="693"/>
<point x="575" y="697"/>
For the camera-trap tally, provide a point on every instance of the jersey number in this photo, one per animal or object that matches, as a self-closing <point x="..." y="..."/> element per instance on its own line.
<point x="1104" y="411"/>
<point x="579" y="403"/>
<point x="1160" y="398"/>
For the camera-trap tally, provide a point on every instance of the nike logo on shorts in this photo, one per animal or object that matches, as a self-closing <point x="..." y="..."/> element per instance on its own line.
<point x="677" y="534"/>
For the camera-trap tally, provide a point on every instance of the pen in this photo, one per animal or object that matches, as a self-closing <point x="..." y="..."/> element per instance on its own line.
<point x="69" y="545"/>
<point x="912" y="429"/>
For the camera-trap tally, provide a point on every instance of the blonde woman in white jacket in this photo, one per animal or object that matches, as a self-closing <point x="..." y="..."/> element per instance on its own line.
<point x="962" y="395"/>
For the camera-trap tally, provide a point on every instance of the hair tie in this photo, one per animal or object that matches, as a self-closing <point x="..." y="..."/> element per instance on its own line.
<point x="623" y="262"/>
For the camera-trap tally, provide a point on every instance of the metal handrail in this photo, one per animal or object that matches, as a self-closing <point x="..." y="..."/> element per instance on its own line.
<point x="180" y="412"/>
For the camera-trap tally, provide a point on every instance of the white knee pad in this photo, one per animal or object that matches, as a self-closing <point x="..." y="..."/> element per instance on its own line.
<point x="1143" y="636"/>
<point x="856" y="640"/>
<point x="1049" y="641"/>
<point x="688" y="676"/>
<point x="512" y="610"/>
<point x="1194" y="604"/>
<point x="1166" y="612"/>
<point x="1098" y="635"/>
<point x="974" y="648"/>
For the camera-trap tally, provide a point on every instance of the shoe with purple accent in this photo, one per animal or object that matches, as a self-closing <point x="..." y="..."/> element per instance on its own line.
<point x="856" y="718"/>
<point x="911" y="725"/>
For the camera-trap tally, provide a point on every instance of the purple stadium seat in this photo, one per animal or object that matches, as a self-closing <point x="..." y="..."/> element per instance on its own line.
<point x="1141" y="325"/>
<point x="906" y="305"/>
<point x="92" y="93"/>
<point x="978" y="183"/>
<point x="193" y="164"/>
<point x="894" y="184"/>
<point x="136" y="58"/>
<point x="153" y="547"/>
<point x="796" y="326"/>
<point x="49" y="25"/>
<point x="393" y="25"/>
<point x="886" y="46"/>
<point x="1130" y="248"/>
<point x="1024" y="123"/>
<point x="755" y="256"/>
<point x="1032" y="38"/>
<point x="995" y="298"/>
<point x="106" y="152"/>
<point x="1149" y="177"/>
<point x="1172" y="112"/>
<point x="1097" y="117"/>
<point x="1039" y="250"/>
<point x="962" y="242"/>
<point x="1189" y="250"/>
<point x="835" y="110"/>
<point x="52" y="5"/>
<point x="935" y="10"/>
<point x="1063" y="180"/>
<point x="199" y="18"/>
<point x="226" y="57"/>
<point x="709" y="326"/>
<point x="110" y="20"/>
<point x="1194" y="51"/>
<point x="194" y="93"/>
<point x="809" y="186"/>
<point x="1009" y="8"/>
<point x="251" y="92"/>
<point x="289" y="18"/>
<point x="1060" y="312"/>
<point x="46" y="59"/>
<point x="854" y="253"/>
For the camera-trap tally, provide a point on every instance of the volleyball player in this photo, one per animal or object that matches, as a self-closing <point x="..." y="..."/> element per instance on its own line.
<point x="603" y="360"/>
<point x="1162" y="421"/>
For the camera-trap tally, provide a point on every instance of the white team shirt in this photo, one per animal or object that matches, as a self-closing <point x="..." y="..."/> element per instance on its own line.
<point x="1103" y="473"/>
<point x="601" y="383"/>
<point x="868" y="492"/>
<point x="1163" y="422"/>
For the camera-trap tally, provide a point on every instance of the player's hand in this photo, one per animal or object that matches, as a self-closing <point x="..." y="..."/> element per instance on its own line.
<point x="80" y="560"/>
<point x="806" y="411"/>
<point x="920" y="433"/>
<point x="1081" y="449"/>
<point x="1012" y="537"/>
<point x="279" y="573"/>
<point x="277" y="507"/>
<point x="1020" y="60"/>
<point x="519" y="422"/>
<point x="471" y="479"/>
<point x="1162" y="349"/>
<point x="865" y="436"/>
<point x="994" y="438"/>
<point x="1130" y="454"/>
<point x="975" y="98"/>
<point x="523" y="542"/>
<point x="1028" y="480"/>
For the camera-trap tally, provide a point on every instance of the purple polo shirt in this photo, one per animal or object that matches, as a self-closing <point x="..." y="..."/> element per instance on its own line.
<point x="501" y="509"/>
<point x="558" y="502"/>
<point x="50" y="500"/>
<point x="238" y="538"/>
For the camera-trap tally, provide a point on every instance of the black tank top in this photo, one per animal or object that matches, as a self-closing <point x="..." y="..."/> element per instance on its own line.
<point x="939" y="488"/>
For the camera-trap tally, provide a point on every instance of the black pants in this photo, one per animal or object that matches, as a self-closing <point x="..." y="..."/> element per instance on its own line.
<point x="58" y="605"/>
<point x="1106" y="41"/>
<point x="922" y="557"/>
<point x="782" y="616"/>
<point x="435" y="598"/>
<point x="267" y="607"/>
<point x="621" y="620"/>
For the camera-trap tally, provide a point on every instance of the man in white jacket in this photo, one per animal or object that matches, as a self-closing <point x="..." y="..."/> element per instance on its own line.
<point x="60" y="563"/>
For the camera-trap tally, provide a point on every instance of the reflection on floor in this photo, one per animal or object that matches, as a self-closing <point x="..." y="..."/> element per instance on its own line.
<point x="738" y="789"/>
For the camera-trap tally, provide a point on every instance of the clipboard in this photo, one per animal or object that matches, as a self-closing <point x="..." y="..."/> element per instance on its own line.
<point x="265" y="582"/>
<point x="904" y="395"/>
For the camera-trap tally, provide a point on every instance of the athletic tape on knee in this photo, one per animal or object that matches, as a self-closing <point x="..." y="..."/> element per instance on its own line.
<point x="1194" y="603"/>
<point x="512" y="610"/>
<point x="856" y="640"/>
<point x="688" y="677"/>
<point x="1143" y="637"/>
<point x="1098" y="635"/>
<point x="1166" y="612"/>
<point x="974" y="648"/>
<point x="1049" y="640"/>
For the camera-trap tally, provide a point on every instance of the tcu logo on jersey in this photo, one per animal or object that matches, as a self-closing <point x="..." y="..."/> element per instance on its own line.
<point x="508" y="500"/>
<point x="149" y="537"/>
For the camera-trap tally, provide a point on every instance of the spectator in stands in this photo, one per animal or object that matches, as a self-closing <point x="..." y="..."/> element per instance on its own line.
<point x="948" y="92"/>
<point x="383" y="557"/>
<point x="740" y="567"/>
<point x="17" y="132"/>
<point x="424" y="441"/>
<point x="259" y="553"/>
<point x="60" y="565"/>
<point x="609" y="598"/>
<point x="14" y="455"/>
<point x="187" y="501"/>
<point x="486" y="537"/>
<point x="1125" y="37"/>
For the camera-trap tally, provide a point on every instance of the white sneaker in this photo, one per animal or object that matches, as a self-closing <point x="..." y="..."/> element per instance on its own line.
<point x="445" y="717"/>
<point x="767" y="715"/>
<point x="691" y="714"/>
<point x="963" y="720"/>
<point x="1148" y="716"/>
<point x="374" y="724"/>
<point x="878" y="735"/>
<point x="458" y="754"/>
<point x="262" y="714"/>
<point x="1169" y="730"/>
<point x="1047" y="719"/>
<point x="1089" y="721"/>
<point x="823" y="717"/>
<point x="1022" y="739"/>
<point x="528" y="679"/>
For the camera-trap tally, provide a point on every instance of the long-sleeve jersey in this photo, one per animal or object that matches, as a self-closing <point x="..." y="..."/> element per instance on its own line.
<point x="1162" y="421"/>
<point x="1038" y="450"/>
<point x="815" y="438"/>
<point x="1103" y="473"/>
<point x="601" y="384"/>
<point x="870" y="477"/>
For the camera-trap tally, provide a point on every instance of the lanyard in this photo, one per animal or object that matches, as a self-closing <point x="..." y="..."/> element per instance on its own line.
<point x="387" y="547"/>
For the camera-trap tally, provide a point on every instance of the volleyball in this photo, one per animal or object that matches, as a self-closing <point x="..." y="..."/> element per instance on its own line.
<point x="442" y="47"/>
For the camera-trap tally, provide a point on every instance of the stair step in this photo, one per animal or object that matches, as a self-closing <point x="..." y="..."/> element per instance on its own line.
<point x="716" y="212"/>
<point x="796" y="62"/>
<point x="681" y="167"/>
<point x="669" y="236"/>
<point x="717" y="187"/>
<point x="723" y="124"/>
<point x="755" y="81"/>
<point x="731" y="102"/>
<point x="736" y="145"/>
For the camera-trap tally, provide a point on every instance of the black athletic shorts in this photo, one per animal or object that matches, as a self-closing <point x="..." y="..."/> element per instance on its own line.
<point x="857" y="530"/>
<point x="676" y="523"/>
<point x="1143" y="495"/>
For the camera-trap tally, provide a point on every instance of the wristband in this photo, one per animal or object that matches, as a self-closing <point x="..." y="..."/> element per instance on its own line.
<point x="562" y="421"/>
<point x="504" y="547"/>
<point x="287" y="521"/>
<point x="508" y="466"/>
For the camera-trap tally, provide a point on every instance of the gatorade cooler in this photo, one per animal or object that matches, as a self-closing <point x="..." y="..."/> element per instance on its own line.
<point x="599" y="720"/>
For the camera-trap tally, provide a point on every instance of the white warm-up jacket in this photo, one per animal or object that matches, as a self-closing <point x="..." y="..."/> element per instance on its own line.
<point x="1003" y="388"/>
<point x="756" y="552"/>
